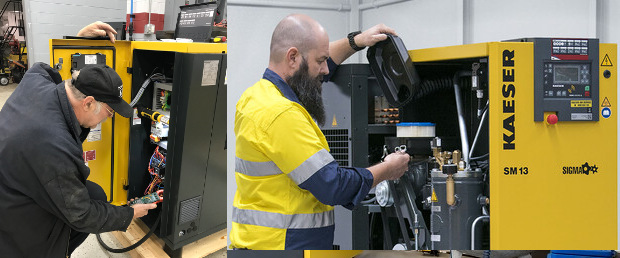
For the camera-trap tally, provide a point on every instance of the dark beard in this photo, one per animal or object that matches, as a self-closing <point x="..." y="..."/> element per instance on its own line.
<point x="308" y="90"/>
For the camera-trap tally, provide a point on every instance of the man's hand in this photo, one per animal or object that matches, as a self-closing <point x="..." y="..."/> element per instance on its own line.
<point x="398" y="163"/>
<point x="371" y="36"/>
<point x="98" y="29"/>
<point x="392" y="167"/>
<point x="140" y="210"/>
<point x="340" y="50"/>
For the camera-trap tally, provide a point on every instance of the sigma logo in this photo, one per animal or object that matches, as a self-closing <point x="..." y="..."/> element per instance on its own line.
<point x="120" y="90"/>
<point x="584" y="169"/>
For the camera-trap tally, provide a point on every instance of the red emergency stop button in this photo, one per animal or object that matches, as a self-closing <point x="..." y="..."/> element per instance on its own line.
<point x="552" y="119"/>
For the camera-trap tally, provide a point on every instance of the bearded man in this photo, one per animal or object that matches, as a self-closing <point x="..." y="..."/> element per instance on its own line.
<point x="287" y="181"/>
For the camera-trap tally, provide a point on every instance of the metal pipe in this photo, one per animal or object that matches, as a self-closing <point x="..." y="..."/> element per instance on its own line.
<point x="461" y="115"/>
<point x="416" y="231"/>
<point x="473" y="144"/>
<point x="298" y="5"/>
<point x="473" y="230"/>
<point x="377" y="4"/>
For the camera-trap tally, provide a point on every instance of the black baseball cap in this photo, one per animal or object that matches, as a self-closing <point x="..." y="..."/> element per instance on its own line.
<point x="104" y="84"/>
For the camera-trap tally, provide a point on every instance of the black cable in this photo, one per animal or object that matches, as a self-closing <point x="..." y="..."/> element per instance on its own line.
<point x="430" y="86"/>
<point x="131" y="247"/>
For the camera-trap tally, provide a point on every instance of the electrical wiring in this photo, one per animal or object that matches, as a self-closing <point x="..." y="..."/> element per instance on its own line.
<point x="157" y="163"/>
<point x="164" y="100"/>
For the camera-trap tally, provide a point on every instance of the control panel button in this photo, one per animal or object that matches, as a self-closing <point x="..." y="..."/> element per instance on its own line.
<point x="552" y="119"/>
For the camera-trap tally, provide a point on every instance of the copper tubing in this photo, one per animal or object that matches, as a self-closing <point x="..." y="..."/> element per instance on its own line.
<point x="450" y="200"/>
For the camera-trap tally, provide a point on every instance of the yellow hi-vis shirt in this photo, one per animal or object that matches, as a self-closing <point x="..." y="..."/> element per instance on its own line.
<point x="269" y="132"/>
<point x="278" y="148"/>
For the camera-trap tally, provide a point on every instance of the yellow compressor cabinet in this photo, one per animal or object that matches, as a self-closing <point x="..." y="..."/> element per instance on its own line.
<point x="107" y="147"/>
<point x="184" y="153"/>
<point x="552" y="140"/>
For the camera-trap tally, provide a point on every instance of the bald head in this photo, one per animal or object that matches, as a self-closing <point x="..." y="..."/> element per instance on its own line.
<point x="296" y="30"/>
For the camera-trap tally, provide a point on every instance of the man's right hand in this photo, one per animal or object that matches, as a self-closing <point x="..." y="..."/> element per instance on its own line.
<point x="398" y="163"/>
<point x="392" y="167"/>
<point x="140" y="210"/>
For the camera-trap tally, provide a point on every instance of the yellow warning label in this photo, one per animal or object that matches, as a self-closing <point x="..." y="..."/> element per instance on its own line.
<point x="434" y="197"/>
<point x="606" y="61"/>
<point x="606" y="103"/>
<point x="581" y="103"/>
<point x="334" y="122"/>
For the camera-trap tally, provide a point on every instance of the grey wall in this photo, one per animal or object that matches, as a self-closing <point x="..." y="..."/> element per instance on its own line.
<point x="421" y="24"/>
<point x="172" y="12"/>
<point x="53" y="19"/>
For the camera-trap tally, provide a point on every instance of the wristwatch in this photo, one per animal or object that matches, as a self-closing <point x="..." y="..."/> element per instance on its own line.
<point x="352" y="41"/>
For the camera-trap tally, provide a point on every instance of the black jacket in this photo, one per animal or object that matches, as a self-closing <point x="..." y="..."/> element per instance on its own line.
<point x="42" y="172"/>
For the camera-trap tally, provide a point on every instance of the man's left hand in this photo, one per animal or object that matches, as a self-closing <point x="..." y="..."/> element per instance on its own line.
<point x="373" y="35"/>
<point x="98" y="29"/>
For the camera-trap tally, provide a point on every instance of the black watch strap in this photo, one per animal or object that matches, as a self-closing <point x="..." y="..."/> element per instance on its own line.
<point x="352" y="41"/>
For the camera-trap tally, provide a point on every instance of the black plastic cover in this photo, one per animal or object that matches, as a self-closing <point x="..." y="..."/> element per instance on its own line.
<point x="391" y="64"/>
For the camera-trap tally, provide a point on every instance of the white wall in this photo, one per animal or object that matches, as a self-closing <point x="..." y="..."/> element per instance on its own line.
<point x="501" y="20"/>
<point x="53" y="19"/>
<point x="420" y="23"/>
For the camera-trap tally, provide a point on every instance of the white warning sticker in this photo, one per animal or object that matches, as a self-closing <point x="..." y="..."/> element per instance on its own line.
<point x="136" y="119"/>
<point x="436" y="208"/>
<point x="95" y="134"/>
<point x="209" y="72"/>
<point x="90" y="59"/>
<point x="436" y="238"/>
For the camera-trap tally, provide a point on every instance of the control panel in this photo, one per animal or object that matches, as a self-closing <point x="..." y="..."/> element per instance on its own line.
<point x="566" y="79"/>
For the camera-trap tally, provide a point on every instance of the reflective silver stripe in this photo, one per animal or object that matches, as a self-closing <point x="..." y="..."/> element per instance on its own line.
<point x="283" y="221"/>
<point x="311" y="166"/>
<point x="252" y="168"/>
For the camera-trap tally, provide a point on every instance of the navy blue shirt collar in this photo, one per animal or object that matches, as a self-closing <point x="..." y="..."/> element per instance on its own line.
<point x="284" y="88"/>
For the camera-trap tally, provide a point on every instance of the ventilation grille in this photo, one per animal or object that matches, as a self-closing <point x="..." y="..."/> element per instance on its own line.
<point x="189" y="210"/>
<point x="338" y="141"/>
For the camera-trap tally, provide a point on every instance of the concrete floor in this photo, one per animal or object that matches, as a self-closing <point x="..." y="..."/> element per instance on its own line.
<point x="5" y="92"/>
<point x="91" y="248"/>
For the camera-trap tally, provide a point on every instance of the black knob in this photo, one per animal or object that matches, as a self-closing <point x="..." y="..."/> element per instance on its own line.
<point x="449" y="169"/>
<point x="607" y="74"/>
